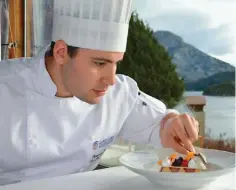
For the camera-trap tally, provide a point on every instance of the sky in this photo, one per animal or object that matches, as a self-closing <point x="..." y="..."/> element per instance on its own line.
<point x="209" y="25"/>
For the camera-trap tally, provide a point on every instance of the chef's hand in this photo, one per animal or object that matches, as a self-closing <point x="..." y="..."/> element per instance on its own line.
<point x="179" y="131"/>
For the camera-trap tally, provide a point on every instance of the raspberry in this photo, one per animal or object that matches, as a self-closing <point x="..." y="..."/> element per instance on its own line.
<point x="184" y="163"/>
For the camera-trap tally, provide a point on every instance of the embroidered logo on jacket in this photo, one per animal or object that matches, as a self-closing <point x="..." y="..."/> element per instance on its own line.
<point x="102" y="143"/>
<point x="97" y="156"/>
<point x="95" y="145"/>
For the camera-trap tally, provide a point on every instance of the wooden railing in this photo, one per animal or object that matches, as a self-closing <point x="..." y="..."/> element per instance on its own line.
<point x="201" y="139"/>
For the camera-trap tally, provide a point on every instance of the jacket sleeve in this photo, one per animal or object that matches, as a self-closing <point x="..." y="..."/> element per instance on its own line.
<point x="143" y="122"/>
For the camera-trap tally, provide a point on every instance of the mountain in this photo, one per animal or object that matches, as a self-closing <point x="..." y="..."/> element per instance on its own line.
<point x="216" y="79"/>
<point x="192" y="64"/>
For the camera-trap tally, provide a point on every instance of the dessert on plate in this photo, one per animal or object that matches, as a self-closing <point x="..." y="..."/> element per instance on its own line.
<point x="192" y="162"/>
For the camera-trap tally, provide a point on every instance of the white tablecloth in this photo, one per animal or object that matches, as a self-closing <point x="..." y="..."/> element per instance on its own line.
<point x="117" y="178"/>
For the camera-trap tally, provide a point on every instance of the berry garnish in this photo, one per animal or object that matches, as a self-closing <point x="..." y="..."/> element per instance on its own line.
<point x="184" y="163"/>
<point x="177" y="162"/>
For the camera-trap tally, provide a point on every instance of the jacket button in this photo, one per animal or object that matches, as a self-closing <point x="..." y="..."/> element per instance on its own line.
<point x="32" y="143"/>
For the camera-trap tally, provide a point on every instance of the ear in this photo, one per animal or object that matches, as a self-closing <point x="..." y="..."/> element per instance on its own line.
<point x="60" y="52"/>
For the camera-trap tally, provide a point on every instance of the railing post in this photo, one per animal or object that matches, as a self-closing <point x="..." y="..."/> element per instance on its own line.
<point x="197" y="103"/>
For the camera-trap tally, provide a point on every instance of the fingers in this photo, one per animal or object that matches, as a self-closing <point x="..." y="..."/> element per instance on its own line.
<point x="191" y="127"/>
<point x="196" y="124"/>
<point x="182" y="135"/>
<point x="176" y="146"/>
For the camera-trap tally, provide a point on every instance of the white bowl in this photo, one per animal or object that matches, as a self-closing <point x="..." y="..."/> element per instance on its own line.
<point x="145" y="163"/>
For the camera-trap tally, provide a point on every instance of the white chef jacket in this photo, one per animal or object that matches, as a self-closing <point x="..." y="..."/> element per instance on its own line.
<point x="46" y="136"/>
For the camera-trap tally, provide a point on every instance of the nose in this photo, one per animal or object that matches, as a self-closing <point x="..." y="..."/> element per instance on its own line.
<point x="110" y="76"/>
<point x="113" y="81"/>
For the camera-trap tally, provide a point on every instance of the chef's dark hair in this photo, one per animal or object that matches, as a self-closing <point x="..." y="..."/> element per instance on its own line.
<point x="72" y="51"/>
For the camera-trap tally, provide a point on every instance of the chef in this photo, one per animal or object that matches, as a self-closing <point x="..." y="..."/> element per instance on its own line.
<point x="62" y="109"/>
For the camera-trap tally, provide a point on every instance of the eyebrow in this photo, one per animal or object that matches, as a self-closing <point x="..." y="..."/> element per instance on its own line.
<point x="102" y="59"/>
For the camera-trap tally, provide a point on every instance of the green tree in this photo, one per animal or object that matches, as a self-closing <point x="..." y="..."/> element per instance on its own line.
<point x="147" y="62"/>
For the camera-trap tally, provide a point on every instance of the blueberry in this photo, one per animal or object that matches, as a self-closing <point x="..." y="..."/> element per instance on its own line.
<point x="177" y="162"/>
<point x="180" y="160"/>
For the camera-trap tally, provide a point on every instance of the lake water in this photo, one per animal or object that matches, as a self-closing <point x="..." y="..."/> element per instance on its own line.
<point x="219" y="114"/>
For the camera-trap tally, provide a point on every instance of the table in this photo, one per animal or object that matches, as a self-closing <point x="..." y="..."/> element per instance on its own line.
<point x="117" y="178"/>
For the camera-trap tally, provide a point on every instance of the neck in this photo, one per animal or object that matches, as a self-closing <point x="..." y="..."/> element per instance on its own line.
<point x="54" y="72"/>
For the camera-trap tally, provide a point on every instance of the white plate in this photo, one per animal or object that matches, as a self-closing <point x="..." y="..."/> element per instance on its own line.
<point x="111" y="156"/>
<point x="144" y="163"/>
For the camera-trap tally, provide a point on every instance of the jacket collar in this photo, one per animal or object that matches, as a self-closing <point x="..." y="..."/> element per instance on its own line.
<point x="43" y="82"/>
